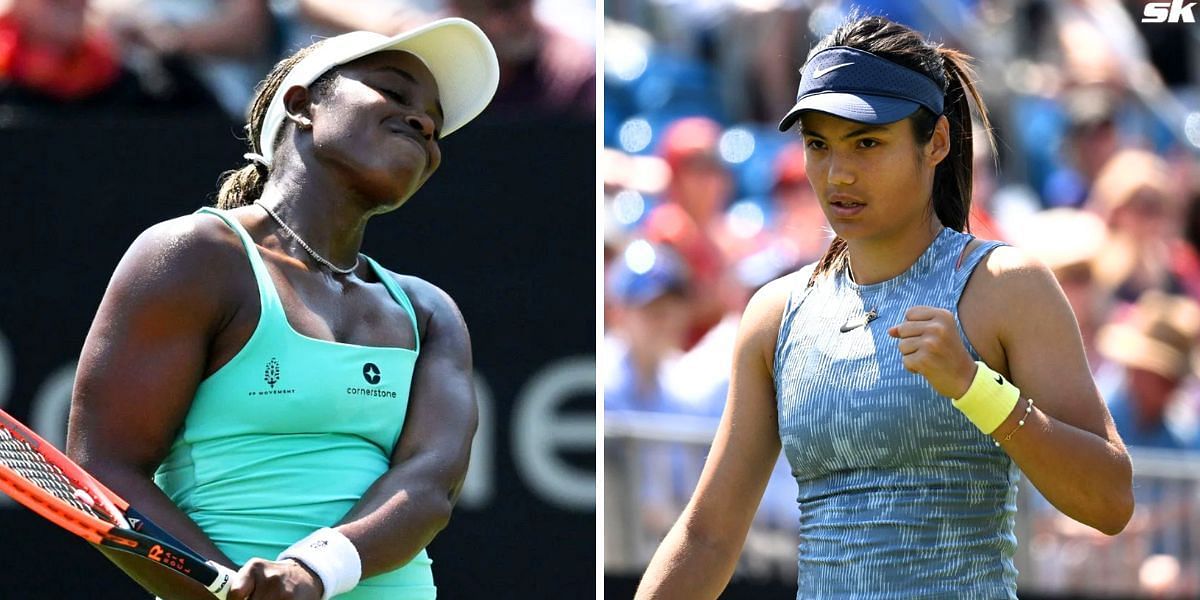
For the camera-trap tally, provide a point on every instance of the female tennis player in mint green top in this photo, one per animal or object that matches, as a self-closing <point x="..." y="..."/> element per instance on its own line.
<point x="278" y="401"/>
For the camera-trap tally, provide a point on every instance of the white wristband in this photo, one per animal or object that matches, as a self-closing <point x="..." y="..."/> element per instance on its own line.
<point x="331" y="556"/>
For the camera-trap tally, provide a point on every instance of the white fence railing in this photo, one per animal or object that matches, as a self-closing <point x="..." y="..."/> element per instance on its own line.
<point x="652" y="463"/>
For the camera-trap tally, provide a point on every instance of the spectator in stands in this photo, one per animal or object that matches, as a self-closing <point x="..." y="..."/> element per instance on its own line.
<point x="1186" y="258"/>
<point x="228" y="45"/>
<point x="985" y="200"/>
<point x="543" y="70"/>
<point x="649" y="288"/>
<point x="49" y="53"/>
<point x="753" y="51"/>
<point x="690" y="218"/>
<point x="1090" y="140"/>
<point x="381" y="16"/>
<point x="798" y="223"/>
<point x="1135" y="196"/>
<point x="1097" y="44"/>
<point x="1151" y="350"/>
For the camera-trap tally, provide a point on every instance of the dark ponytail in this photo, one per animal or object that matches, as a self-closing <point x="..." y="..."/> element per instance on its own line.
<point x="952" y="71"/>
<point x="243" y="186"/>
<point x="952" y="179"/>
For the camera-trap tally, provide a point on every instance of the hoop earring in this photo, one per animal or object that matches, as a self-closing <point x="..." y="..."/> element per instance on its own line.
<point x="300" y="122"/>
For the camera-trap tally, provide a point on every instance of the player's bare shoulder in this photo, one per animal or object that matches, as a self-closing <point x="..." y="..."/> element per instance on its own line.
<point x="759" y="329"/>
<point x="1010" y="275"/>
<point x="1008" y="289"/>
<point x="192" y="262"/>
<point x="431" y="303"/>
<point x="768" y="302"/>
<point x="192" y="245"/>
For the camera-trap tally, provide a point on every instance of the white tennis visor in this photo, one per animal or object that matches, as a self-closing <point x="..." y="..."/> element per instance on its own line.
<point x="456" y="51"/>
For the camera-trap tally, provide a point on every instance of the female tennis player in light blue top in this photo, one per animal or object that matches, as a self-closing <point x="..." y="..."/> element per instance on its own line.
<point x="306" y="414"/>
<point x="911" y="373"/>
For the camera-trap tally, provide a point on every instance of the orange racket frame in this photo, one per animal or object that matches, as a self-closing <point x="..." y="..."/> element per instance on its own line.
<point x="129" y="530"/>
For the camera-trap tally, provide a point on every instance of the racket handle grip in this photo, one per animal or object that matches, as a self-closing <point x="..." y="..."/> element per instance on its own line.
<point x="220" y="586"/>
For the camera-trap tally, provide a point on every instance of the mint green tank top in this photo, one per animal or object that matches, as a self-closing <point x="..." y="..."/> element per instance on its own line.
<point x="287" y="437"/>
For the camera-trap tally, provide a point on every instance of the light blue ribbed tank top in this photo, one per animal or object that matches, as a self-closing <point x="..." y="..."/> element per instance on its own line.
<point x="900" y="495"/>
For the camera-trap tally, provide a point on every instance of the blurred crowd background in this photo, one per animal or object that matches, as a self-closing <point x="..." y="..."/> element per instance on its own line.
<point x="203" y="54"/>
<point x="1097" y="117"/>
<point x="117" y="114"/>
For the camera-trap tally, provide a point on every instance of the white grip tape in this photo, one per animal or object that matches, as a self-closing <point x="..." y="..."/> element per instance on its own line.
<point x="220" y="587"/>
<point x="332" y="556"/>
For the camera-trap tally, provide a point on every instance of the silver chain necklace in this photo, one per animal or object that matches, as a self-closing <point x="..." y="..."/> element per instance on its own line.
<point x="862" y="320"/>
<point x="307" y="248"/>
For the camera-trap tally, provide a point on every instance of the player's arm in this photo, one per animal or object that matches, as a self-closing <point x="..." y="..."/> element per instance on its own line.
<point x="140" y="365"/>
<point x="698" y="555"/>
<point x="405" y="508"/>
<point x="236" y="29"/>
<point x="239" y="28"/>
<point x="1069" y="447"/>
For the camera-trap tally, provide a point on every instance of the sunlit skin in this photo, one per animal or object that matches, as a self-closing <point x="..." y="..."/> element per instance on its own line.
<point x="863" y="176"/>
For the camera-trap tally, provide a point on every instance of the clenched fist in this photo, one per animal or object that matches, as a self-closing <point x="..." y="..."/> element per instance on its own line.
<point x="262" y="579"/>
<point x="930" y="346"/>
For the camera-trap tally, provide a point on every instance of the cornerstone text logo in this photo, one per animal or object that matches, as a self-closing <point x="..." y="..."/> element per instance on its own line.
<point x="373" y="376"/>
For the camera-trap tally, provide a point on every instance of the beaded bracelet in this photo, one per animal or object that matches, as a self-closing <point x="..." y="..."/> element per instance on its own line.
<point x="1020" y="423"/>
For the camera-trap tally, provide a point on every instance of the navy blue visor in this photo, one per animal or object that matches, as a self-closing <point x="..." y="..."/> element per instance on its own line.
<point x="859" y="86"/>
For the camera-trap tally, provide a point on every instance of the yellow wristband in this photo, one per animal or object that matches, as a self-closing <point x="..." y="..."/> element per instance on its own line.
<point x="989" y="400"/>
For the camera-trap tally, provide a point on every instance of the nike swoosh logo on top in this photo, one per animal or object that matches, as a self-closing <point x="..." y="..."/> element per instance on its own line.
<point x="822" y="72"/>
<point x="855" y="324"/>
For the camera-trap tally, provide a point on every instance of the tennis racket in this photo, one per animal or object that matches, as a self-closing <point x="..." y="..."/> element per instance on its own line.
<point x="37" y="475"/>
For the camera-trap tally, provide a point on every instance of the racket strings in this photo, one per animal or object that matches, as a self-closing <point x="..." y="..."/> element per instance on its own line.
<point x="19" y="456"/>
